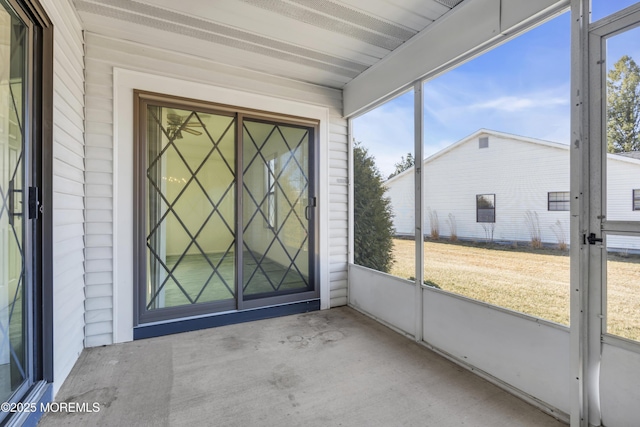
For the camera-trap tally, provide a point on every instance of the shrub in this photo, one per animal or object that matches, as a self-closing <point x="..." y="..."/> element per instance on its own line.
<point x="434" y="224"/>
<point x="561" y="236"/>
<point x="453" y="227"/>
<point x="373" y="227"/>
<point x="533" y="224"/>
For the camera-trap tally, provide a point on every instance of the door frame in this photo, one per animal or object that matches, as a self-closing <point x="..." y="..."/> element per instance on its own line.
<point x="588" y="188"/>
<point x="38" y="170"/>
<point x="173" y="314"/>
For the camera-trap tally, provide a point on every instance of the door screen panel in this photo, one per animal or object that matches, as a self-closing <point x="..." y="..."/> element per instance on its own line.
<point x="13" y="40"/>
<point x="191" y="207"/>
<point x="275" y="199"/>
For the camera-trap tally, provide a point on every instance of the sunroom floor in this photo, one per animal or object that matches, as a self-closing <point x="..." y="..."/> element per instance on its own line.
<point x="325" y="368"/>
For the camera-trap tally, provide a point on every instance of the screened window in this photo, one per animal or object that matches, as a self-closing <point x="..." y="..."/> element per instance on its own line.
<point x="486" y="208"/>
<point x="636" y="200"/>
<point x="558" y="201"/>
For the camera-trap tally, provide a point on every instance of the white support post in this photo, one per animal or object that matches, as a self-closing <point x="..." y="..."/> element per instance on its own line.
<point x="579" y="172"/>
<point x="419" y="212"/>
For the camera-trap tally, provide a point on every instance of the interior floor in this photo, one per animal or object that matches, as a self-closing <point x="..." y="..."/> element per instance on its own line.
<point x="193" y="272"/>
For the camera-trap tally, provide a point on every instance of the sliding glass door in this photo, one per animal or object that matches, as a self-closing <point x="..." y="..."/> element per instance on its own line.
<point x="225" y="209"/>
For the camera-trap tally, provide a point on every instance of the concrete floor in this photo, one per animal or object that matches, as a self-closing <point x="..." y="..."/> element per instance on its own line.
<point x="326" y="368"/>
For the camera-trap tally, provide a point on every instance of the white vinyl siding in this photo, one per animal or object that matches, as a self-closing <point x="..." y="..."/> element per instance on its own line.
<point x="68" y="188"/>
<point x="524" y="173"/>
<point x="102" y="55"/>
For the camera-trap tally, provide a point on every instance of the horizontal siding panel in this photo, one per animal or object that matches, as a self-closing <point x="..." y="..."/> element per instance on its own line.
<point x="62" y="78"/>
<point x="96" y="165"/>
<point x="62" y="233"/>
<point x="338" y="302"/>
<point x="104" y="315"/>
<point x="70" y="261"/>
<point x="99" y="203"/>
<point x="339" y="128"/>
<point x="98" y="253"/>
<point x="63" y="170"/>
<point x="102" y="278"/>
<point x="99" y="116"/>
<point x="92" y="291"/>
<point x="338" y="285"/>
<point x="94" y="64"/>
<point x="99" y="153"/>
<point x="98" y="266"/>
<point x="338" y="264"/>
<point x="99" y="91"/>
<point x="339" y="276"/>
<point x="65" y="106"/>
<point x="338" y="163"/>
<point x="98" y="340"/>
<point x="67" y="201"/>
<point x="99" y="128"/>
<point x="99" y="240"/>
<point x="338" y="173"/>
<point x="99" y="104"/>
<point x="99" y="303"/>
<point x="103" y="228"/>
<point x="64" y="93"/>
<point x="71" y="141"/>
<point x="68" y="216"/>
<point x="97" y="77"/>
<point x="98" y="140"/>
<point x="100" y="178"/>
<point x="97" y="190"/>
<point x="67" y="186"/>
<point x="99" y="215"/>
<point x="75" y="244"/>
<point x="99" y="328"/>
<point x="66" y="156"/>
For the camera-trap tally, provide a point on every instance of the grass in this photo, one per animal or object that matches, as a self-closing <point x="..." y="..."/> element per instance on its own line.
<point x="531" y="281"/>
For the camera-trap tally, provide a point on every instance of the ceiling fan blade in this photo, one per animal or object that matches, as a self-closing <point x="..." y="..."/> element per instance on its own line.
<point x="191" y="131"/>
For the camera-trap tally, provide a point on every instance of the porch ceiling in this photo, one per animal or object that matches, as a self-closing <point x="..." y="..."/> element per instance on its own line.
<point x="321" y="42"/>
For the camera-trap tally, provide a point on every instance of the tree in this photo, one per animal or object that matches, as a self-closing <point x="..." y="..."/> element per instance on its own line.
<point x="403" y="165"/>
<point x="623" y="106"/>
<point x="373" y="227"/>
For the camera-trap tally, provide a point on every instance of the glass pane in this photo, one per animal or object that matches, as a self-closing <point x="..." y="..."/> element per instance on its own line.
<point x="603" y="8"/>
<point x="623" y="126"/>
<point x="275" y="196"/>
<point x="190" y="206"/>
<point x="623" y="286"/>
<point x="491" y="170"/>
<point x="13" y="35"/>
<point x="384" y="220"/>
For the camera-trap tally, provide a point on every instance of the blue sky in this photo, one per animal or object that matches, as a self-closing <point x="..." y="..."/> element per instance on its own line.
<point x="520" y="87"/>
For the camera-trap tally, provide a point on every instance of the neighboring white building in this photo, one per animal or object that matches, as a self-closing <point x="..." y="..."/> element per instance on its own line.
<point x="523" y="177"/>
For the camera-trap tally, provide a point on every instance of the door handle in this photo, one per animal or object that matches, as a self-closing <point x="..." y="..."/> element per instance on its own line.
<point x="312" y="204"/>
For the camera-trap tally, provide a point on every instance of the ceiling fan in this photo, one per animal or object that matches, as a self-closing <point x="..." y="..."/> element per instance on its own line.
<point x="175" y="126"/>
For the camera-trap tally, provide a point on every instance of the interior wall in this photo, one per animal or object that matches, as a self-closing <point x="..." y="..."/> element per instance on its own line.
<point x="112" y="311"/>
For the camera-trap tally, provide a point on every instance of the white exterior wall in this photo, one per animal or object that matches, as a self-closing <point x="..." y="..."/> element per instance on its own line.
<point x="520" y="173"/>
<point x="102" y="55"/>
<point x="68" y="188"/>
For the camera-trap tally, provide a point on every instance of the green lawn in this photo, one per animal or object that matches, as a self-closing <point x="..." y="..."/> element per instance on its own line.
<point x="534" y="282"/>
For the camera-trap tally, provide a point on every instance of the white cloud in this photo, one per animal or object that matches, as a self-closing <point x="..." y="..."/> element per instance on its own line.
<point x="515" y="104"/>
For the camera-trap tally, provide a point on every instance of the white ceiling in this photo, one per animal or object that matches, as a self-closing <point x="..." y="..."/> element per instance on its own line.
<point x="317" y="41"/>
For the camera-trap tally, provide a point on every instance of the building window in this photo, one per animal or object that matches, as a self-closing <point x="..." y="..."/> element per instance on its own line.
<point x="558" y="201"/>
<point x="636" y="200"/>
<point x="486" y="208"/>
<point x="483" y="142"/>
